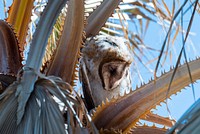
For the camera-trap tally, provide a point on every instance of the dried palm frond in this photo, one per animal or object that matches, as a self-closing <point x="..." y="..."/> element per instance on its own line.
<point x="9" y="51"/>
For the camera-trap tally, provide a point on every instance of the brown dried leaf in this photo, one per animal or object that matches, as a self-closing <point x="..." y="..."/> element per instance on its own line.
<point x="65" y="60"/>
<point x="10" y="59"/>
<point x="19" y="16"/>
<point x="99" y="17"/>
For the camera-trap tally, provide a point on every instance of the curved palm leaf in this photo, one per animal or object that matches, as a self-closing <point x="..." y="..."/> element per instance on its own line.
<point x="19" y="16"/>
<point x="9" y="51"/>
<point x="66" y="56"/>
<point x="189" y="122"/>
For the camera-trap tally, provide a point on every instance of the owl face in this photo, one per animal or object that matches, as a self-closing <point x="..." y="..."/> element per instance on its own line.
<point x="107" y="60"/>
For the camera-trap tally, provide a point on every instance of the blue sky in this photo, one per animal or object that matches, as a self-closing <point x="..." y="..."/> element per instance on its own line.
<point x="8" y="2"/>
<point x="154" y="38"/>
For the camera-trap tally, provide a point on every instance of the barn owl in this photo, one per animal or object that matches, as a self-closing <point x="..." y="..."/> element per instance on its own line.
<point x="104" y="69"/>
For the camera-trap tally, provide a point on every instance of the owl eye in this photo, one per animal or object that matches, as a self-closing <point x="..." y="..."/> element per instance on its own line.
<point x="112" y="70"/>
<point x="111" y="43"/>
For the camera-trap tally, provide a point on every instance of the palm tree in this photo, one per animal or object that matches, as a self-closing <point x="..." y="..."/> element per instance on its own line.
<point x="30" y="93"/>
